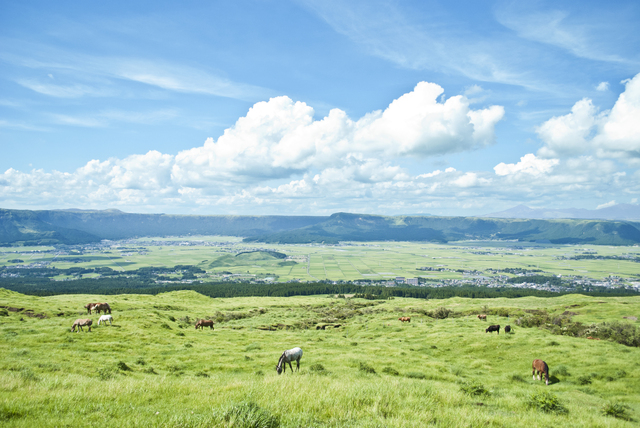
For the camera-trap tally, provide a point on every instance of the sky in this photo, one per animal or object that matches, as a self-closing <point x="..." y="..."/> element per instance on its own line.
<point x="316" y="107"/>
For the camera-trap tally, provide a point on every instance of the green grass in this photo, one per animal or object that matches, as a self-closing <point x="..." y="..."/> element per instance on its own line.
<point x="152" y="368"/>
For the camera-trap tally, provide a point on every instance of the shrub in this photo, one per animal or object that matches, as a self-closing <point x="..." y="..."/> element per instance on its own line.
<point x="561" y="371"/>
<point x="188" y="345"/>
<point x="171" y="318"/>
<point x="141" y="361"/>
<point x="553" y="343"/>
<point x="516" y="378"/>
<point x="149" y="370"/>
<point x="390" y="371"/>
<point x="364" y="367"/>
<point x="440" y="313"/>
<point x="616" y="410"/>
<point x="623" y="333"/>
<point x="546" y="402"/>
<point x="354" y="343"/>
<point x="202" y="374"/>
<point x="473" y="388"/>
<point x="621" y="374"/>
<point x="416" y="375"/>
<point x="250" y="415"/>
<point x="317" y="367"/>
<point x="179" y="333"/>
<point x="123" y="366"/>
<point x="584" y="380"/>
<point x="106" y="373"/>
<point x="165" y="325"/>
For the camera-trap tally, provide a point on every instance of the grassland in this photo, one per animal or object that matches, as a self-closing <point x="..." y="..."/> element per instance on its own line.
<point x="351" y="261"/>
<point x="152" y="368"/>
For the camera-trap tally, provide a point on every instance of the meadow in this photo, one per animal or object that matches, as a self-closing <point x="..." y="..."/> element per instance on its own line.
<point x="152" y="368"/>
<point x="222" y="256"/>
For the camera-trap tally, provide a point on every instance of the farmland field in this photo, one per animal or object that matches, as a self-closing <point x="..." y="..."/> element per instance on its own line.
<point x="349" y="261"/>
<point x="366" y="369"/>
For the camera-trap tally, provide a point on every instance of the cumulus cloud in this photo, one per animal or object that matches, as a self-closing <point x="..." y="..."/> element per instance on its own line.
<point x="602" y="86"/>
<point x="280" y="151"/>
<point x="529" y="164"/>
<point x="610" y="134"/>
<point x="279" y="138"/>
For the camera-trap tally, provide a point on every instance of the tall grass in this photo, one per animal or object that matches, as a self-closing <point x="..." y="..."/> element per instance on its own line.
<point x="443" y="372"/>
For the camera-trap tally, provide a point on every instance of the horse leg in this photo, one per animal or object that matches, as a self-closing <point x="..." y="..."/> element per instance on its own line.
<point x="298" y="365"/>
<point x="534" y="374"/>
<point x="290" y="366"/>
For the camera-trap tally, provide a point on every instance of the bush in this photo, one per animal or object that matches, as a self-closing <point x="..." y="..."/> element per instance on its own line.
<point x="623" y="333"/>
<point x="149" y="370"/>
<point x="473" y="388"/>
<point x="390" y="371"/>
<point x="616" y="410"/>
<point x="584" y="380"/>
<point x="250" y="415"/>
<point x="123" y="366"/>
<point x="364" y="367"/>
<point x="546" y="402"/>
<point x="141" y="361"/>
<point x="106" y="373"/>
<point x="561" y="371"/>
<point x="416" y="375"/>
<point x="317" y="368"/>
<point x="516" y="378"/>
<point x="440" y="313"/>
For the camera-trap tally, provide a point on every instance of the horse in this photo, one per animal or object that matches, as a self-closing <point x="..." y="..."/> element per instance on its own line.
<point x="482" y="317"/>
<point x="287" y="356"/>
<point x="105" y="318"/>
<point x="80" y="323"/>
<point x="204" y="323"/>
<point x="89" y="306"/>
<point x="493" y="328"/>
<point x="507" y="329"/>
<point x="541" y="367"/>
<point x="101" y="307"/>
<point x="405" y="319"/>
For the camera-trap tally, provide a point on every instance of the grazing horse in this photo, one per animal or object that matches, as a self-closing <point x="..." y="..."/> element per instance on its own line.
<point x="204" y="323"/>
<point x="80" y="323"/>
<point x="493" y="328"/>
<point x="482" y="317"/>
<point x="89" y="306"/>
<point x="287" y="356"/>
<point x="101" y="307"/>
<point x="541" y="367"/>
<point x="105" y="318"/>
<point x="507" y="329"/>
<point x="405" y="319"/>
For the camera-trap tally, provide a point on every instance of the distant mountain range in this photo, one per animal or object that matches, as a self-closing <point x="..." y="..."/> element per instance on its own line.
<point x="614" y="212"/>
<point x="80" y="227"/>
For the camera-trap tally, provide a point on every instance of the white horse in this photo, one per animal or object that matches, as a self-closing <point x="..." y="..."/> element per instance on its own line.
<point x="287" y="356"/>
<point x="105" y="318"/>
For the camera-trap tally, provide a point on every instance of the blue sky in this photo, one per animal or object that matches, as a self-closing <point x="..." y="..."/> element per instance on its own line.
<point x="314" y="107"/>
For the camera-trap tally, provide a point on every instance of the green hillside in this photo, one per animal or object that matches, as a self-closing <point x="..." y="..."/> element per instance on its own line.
<point x="361" y="227"/>
<point x="151" y="368"/>
<point x="79" y="227"/>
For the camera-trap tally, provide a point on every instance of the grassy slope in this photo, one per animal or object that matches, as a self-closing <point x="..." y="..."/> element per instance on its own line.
<point x="51" y="377"/>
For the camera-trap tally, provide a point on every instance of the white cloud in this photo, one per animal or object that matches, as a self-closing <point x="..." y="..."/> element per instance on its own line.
<point x="529" y="164"/>
<point x="602" y="87"/>
<point x="279" y="138"/>
<point x="606" y="205"/>
<point x="611" y="134"/>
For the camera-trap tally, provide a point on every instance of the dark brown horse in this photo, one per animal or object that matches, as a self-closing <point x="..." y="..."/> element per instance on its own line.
<point x="541" y="367"/>
<point x="204" y="323"/>
<point x="493" y="328"/>
<point x="89" y="306"/>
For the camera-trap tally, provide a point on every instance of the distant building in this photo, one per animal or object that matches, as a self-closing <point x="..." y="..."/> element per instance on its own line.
<point x="399" y="279"/>
<point x="412" y="281"/>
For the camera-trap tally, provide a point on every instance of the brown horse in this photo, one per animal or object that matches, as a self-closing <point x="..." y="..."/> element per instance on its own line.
<point x="482" y="317"/>
<point x="405" y="319"/>
<point x="101" y="307"/>
<point x="541" y="367"/>
<point x="89" y="306"/>
<point x="204" y="323"/>
<point x="80" y="323"/>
